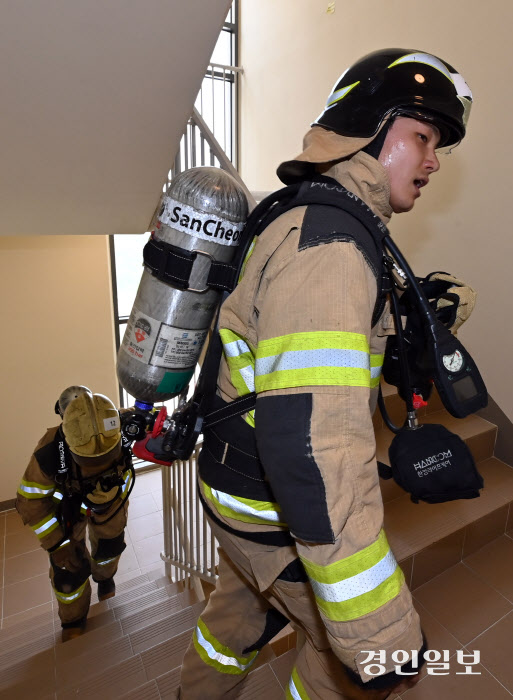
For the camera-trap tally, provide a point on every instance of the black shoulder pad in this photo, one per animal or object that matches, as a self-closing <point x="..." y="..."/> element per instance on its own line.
<point x="48" y="457"/>
<point x="327" y="224"/>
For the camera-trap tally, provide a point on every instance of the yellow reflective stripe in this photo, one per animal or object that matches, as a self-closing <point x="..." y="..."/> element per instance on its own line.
<point x="426" y="58"/>
<point x="376" y="363"/>
<point x="217" y="655"/>
<point x="243" y="509"/>
<point x="68" y="598"/>
<point x="320" y="358"/>
<point x="295" y="689"/>
<point x="31" y="489"/>
<point x="241" y="361"/>
<point x="45" y="526"/>
<point x="346" y="611"/>
<point x="340" y="94"/>
<point x="248" y="255"/>
<point x="358" y="584"/>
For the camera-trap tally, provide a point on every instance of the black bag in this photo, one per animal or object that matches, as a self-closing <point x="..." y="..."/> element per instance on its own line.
<point x="433" y="465"/>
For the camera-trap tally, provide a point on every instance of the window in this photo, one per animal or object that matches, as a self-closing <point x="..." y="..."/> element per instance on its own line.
<point x="217" y="105"/>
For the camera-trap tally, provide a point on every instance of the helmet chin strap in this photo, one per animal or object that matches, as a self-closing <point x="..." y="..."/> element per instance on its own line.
<point x="375" y="146"/>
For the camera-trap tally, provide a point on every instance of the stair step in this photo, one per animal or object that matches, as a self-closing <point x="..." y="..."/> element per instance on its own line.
<point x="168" y="684"/>
<point x="169" y="654"/>
<point x="91" y="662"/>
<point x="111" y="683"/>
<point x="148" y="691"/>
<point x="19" y="680"/>
<point x="166" y="628"/>
<point x="414" y="528"/>
<point x="81" y="645"/>
<point x="123" y="610"/>
<point x="31" y="647"/>
<point x="16" y="637"/>
<point x="261" y="683"/>
<point x="157" y="611"/>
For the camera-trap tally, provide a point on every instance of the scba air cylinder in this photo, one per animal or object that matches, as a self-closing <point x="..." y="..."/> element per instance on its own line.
<point x="204" y="210"/>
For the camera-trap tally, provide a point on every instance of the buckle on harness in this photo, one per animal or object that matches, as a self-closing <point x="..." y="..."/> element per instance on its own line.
<point x="194" y="254"/>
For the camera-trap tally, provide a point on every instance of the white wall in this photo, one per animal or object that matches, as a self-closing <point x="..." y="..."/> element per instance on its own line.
<point x="292" y="53"/>
<point x="57" y="329"/>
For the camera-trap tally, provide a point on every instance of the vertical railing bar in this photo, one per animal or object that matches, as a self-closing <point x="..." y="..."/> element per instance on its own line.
<point x="193" y="144"/>
<point x="224" y="108"/>
<point x="166" y="516"/>
<point x="191" y="514"/>
<point x="213" y="101"/>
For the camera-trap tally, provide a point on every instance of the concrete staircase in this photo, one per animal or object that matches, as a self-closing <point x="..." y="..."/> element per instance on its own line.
<point x="134" y="642"/>
<point x="133" y="648"/>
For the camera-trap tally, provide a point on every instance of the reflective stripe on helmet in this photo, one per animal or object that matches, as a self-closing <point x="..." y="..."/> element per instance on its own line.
<point x="45" y="526"/>
<point x="295" y="689"/>
<point x="314" y="359"/>
<point x="31" y="489"/>
<point x="358" y="584"/>
<point x="339" y="94"/>
<point x="217" y="655"/>
<point x="68" y="598"/>
<point x="426" y="58"/>
<point x="244" y="509"/>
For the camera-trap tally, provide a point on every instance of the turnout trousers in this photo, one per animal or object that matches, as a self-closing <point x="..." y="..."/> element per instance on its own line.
<point x="107" y="544"/>
<point x="239" y="620"/>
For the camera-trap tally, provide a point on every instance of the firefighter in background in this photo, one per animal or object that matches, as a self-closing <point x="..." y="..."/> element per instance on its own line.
<point x="79" y="478"/>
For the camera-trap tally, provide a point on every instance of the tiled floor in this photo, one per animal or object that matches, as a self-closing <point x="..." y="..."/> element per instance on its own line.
<point x="466" y="608"/>
<point x="25" y="586"/>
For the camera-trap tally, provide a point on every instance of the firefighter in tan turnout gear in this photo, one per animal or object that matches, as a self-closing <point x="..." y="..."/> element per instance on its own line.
<point x="292" y="488"/>
<point x="79" y="479"/>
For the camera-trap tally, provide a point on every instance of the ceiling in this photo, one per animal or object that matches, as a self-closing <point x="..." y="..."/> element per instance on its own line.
<point x="95" y="96"/>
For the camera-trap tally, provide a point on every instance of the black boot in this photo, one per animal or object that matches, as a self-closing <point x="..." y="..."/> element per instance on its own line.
<point x="106" y="588"/>
<point x="71" y="630"/>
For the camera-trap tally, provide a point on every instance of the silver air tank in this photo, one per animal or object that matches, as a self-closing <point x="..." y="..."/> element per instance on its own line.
<point x="204" y="210"/>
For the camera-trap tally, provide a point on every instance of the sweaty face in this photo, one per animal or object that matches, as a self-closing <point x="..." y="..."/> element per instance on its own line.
<point x="408" y="155"/>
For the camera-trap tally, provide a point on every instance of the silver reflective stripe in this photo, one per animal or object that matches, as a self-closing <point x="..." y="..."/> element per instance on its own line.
<point x="127" y="483"/>
<point x="338" y="95"/>
<point x="303" y="359"/>
<point x="63" y="544"/>
<point x="35" y="489"/>
<point x="236" y="348"/>
<point x="293" y="690"/>
<point x="45" y="526"/>
<point x="356" y="585"/>
<point x="248" y="374"/>
<point x="217" y="656"/>
<point x="375" y="372"/>
<point x="70" y="597"/>
<point x="58" y="495"/>
<point x="106" y="561"/>
<point x="230" y="502"/>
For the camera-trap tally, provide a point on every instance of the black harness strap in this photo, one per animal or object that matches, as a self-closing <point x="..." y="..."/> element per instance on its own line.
<point x="322" y="191"/>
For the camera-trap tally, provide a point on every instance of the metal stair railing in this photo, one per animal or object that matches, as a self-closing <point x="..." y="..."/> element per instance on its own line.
<point x="190" y="549"/>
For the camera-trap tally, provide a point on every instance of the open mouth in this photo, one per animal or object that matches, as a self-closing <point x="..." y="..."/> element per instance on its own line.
<point x="420" y="183"/>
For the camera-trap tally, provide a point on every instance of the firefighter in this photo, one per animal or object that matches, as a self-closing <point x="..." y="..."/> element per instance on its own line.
<point x="291" y="488"/>
<point x="78" y="479"/>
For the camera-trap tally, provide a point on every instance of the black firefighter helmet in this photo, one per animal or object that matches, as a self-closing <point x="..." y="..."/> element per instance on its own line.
<point x="394" y="82"/>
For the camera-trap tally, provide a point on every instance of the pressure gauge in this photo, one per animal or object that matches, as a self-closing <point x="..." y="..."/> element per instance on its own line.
<point x="453" y="362"/>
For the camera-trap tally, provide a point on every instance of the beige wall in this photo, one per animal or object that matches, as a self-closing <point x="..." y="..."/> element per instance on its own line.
<point x="292" y="53"/>
<point x="57" y="329"/>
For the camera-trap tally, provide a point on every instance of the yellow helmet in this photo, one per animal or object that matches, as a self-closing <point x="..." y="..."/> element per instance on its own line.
<point x="92" y="428"/>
